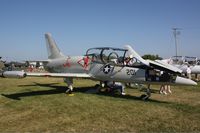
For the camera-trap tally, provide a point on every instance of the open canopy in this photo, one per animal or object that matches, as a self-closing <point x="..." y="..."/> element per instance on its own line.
<point x="114" y="56"/>
<point x="127" y="57"/>
<point x="107" y="54"/>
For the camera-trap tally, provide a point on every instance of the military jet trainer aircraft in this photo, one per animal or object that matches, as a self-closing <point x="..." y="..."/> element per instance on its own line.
<point x="105" y="64"/>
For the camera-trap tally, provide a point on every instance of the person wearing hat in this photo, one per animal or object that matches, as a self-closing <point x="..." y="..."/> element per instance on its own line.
<point x="129" y="60"/>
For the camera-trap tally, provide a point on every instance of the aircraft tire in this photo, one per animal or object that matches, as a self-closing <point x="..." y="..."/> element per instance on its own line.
<point x="144" y="97"/>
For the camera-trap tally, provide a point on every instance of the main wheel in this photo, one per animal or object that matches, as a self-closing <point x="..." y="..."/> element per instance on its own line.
<point x="144" y="97"/>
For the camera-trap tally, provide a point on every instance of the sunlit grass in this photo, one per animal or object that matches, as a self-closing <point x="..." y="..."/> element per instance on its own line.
<point x="40" y="104"/>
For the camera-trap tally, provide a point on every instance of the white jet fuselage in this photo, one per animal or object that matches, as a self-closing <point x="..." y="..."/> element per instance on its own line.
<point x="77" y="64"/>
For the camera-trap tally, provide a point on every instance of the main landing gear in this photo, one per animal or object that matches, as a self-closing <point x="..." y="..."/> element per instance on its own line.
<point x="111" y="87"/>
<point x="147" y="95"/>
<point x="69" y="82"/>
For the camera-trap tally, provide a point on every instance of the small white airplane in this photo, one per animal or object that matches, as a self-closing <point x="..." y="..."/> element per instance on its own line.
<point x="105" y="64"/>
<point x="183" y="62"/>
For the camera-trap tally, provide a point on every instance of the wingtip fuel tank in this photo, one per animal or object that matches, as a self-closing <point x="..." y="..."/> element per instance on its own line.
<point x="13" y="74"/>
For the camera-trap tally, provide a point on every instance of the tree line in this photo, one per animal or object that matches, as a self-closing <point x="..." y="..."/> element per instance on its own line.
<point x="152" y="57"/>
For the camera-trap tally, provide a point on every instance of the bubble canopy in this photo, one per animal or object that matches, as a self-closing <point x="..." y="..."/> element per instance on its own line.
<point x="107" y="54"/>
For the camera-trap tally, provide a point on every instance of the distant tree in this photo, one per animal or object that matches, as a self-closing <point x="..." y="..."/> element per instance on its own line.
<point x="152" y="57"/>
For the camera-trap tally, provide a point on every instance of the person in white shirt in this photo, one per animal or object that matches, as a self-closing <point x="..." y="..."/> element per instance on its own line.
<point x="189" y="72"/>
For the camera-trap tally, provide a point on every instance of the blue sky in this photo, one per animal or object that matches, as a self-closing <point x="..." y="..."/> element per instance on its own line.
<point x="77" y="25"/>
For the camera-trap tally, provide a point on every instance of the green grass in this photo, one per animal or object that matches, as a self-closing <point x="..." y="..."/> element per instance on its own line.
<point x="40" y="105"/>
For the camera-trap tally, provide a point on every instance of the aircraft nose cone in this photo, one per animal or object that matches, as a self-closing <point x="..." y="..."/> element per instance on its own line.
<point x="184" y="81"/>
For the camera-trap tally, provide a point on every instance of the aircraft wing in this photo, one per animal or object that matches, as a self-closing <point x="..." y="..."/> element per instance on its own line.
<point x="61" y="75"/>
<point x="22" y="74"/>
<point x="157" y="64"/>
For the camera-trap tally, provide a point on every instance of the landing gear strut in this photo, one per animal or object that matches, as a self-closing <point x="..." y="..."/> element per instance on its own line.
<point x="69" y="82"/>
<point x="111" y="87"/>
<point x="147" y="95"/>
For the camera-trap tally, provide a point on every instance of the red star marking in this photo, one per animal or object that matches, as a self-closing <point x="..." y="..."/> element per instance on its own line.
<point x="84" y="62"/>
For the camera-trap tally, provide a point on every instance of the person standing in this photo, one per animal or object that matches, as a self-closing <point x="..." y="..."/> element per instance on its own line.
<point x="163" y="89"/>
<point x="189" y="72"/>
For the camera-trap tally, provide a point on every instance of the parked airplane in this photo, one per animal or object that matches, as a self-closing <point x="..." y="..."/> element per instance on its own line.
<point x="105" y="64"/>
<point x="183" y="62"/>
<point x="12" y="64"/>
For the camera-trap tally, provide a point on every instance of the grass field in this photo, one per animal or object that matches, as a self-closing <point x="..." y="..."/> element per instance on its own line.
<point x="40" y="105"/>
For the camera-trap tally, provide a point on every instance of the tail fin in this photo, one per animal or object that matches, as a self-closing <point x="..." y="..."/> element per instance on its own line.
<point x="52" y="49"/>
<point x="134" y="54"/>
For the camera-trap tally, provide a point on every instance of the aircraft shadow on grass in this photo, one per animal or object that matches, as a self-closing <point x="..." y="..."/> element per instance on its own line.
<point x="61" y="89"/>
<point x="57" y="90"/>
